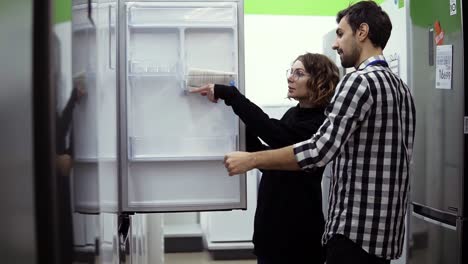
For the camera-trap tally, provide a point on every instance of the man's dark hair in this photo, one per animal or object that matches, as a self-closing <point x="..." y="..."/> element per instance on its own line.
<point x="380" y="26"/>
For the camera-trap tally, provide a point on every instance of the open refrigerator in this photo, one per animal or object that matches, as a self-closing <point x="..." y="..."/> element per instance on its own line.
<point x="172" y="143"/>
<point x="143" y="143"/>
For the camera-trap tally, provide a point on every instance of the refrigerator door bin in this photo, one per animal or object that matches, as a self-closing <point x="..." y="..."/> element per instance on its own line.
<point x="200" y="77"/>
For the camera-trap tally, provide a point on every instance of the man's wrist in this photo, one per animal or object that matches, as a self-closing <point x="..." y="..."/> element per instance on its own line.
<point x="254" y="160"/>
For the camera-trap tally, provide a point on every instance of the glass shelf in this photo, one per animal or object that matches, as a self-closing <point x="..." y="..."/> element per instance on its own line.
<point x="181" y="148"/>
<point x="150" y="68"/>
<point x="180" y="158"/>
<point x="177" y="26"/>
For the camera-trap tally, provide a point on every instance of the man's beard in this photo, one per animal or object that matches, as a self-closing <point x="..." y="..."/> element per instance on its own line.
<point x="352" y="59"/>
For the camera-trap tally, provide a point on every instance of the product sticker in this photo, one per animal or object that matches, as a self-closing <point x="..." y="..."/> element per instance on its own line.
<point x="444" y="67"/>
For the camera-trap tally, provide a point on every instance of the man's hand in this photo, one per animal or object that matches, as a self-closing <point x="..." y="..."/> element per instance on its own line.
<point x="275" y="159"/>
<point x="239" y="162"/>
<point x="206" y="90"/>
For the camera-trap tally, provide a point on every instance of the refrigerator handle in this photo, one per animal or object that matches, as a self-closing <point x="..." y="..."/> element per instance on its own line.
<point x="431" y="46"/>
<point x="90" y="12"/>
<point x="434" y="216"/>
<point x="110" y="38"/>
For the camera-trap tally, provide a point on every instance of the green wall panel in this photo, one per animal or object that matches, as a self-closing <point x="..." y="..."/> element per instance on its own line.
<point x="62" y="11"/>
<point x="425" y="12"/>
<point x="297" y="7"/>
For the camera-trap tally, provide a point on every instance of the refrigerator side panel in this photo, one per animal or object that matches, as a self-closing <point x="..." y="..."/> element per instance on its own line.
<point x="18" y="242"/>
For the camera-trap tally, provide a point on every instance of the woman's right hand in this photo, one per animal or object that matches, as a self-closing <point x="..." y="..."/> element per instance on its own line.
<point x="206" y="90"/>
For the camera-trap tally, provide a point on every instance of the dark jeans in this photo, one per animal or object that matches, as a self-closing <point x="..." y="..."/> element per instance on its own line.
<point x="341" y="250"/>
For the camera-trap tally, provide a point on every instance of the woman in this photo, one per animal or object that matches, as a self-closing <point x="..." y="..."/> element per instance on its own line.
<point x="288" y="221"/>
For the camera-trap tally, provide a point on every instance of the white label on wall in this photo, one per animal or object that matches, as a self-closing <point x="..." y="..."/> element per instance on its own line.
<point x="453" y="7"/>
<point x="444" y="67"/>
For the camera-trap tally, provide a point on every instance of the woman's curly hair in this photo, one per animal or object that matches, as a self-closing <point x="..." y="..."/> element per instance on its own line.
<point x="324" y="76"/>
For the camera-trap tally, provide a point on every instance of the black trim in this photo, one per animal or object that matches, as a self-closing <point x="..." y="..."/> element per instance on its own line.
<point x="183" y="244"/>
<point x="464" y="195"/>
<point x="233" y="254"/>
<point x="43" y="132"/>
<point x="445" y="218"/>
<point x="464" y="242"/>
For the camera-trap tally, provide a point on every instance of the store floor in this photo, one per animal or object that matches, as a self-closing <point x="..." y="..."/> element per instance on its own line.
<point x="200" y="258"/>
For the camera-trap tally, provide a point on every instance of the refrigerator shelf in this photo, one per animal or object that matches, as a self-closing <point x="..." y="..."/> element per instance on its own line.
<point x="178" y="26"/>
<point x="94" y="159"/>
<point x="152" y="75"/>
<point x="176" y="158"/>
<point x="139" y="68"/>
<point x="180" y="148"/>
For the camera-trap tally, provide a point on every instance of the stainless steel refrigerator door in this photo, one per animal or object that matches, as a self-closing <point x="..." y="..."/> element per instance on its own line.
<point x="439" y="151"/>
<point x="172" y="143"/>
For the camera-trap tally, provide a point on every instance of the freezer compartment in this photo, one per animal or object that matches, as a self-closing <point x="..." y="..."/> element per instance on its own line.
<point x="156" y="186"/>
<point x="187" y="13"/>
<point x="432" y="242"/>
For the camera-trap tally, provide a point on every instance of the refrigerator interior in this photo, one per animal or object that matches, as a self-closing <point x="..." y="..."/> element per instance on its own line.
<point x="174" y="141"/>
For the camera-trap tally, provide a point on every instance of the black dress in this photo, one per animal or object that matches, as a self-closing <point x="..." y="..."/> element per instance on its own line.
<point x="289" y="222"/>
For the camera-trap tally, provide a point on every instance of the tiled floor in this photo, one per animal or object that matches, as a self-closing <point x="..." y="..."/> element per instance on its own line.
<point x="200" y="258"/>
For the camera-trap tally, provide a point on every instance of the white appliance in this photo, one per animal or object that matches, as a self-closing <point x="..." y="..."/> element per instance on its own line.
<point x="172" y="143"/>
<point x="164" y="146"/>
<point x="143" y="143"/>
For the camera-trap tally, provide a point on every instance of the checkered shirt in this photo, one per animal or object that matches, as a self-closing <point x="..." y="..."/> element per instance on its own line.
<point x="368" y="136"/>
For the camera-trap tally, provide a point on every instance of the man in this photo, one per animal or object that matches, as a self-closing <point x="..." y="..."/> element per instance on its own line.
<point x="368" y="134"/>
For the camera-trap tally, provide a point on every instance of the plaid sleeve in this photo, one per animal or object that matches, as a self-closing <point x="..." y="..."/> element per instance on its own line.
<point x="349" y="105"/>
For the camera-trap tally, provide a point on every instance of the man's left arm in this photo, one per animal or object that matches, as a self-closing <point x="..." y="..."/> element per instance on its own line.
<point x="276" y="159"/>
<point x="349" y="106"/>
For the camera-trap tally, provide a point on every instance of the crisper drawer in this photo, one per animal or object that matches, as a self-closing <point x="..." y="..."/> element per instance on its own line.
<point x="173" y="142"/>
<point x="434" y="237"/>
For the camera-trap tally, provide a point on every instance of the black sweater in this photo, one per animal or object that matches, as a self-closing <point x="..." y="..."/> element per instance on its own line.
<point x="288" y="221"/>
